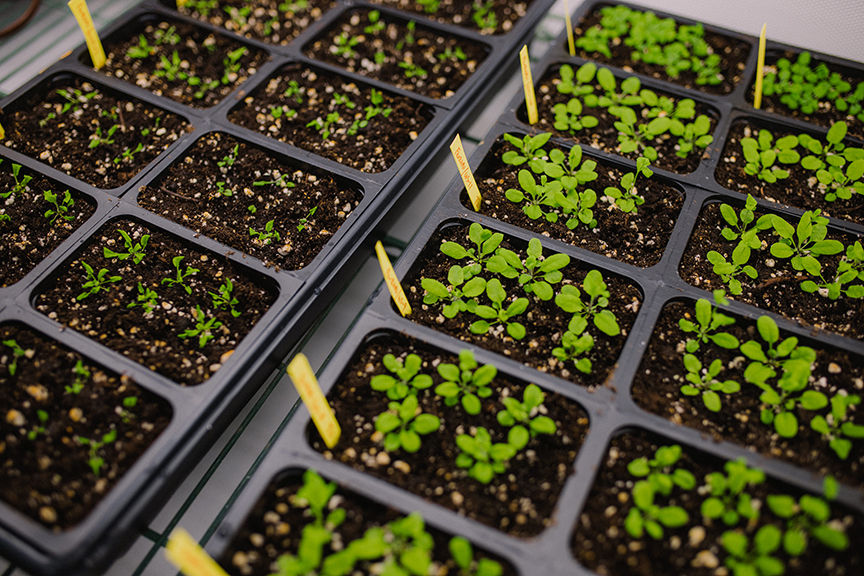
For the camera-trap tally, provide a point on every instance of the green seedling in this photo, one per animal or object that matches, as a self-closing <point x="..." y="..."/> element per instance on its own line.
<point x="374" y="109"/>
<point x="467" y="382"/>
<point x="481" y="457"/>
<point x="323" y="126"/>
<point x="125" y="411"/>
<point x="530" y="148"/>
<point x="453" y="54"/>
<point x="203" y="7"/>
<point x="692" y="135"/>
<point x="842" y="184"/>
<point x="147" y="299"/>
<point x="281" y="180"/>
<point x="40" y="428"/>
<point x="142" y="50"/>
<point x="412" y="70"/>
<point x="595" y="309"/>
<point x="849" y="269"/>
<point x="82" y="375"/>
<point x="704" y="382"/>
<point x="181" y="275"/>
<point x="578" y="83"/>
<point x="498" y="314"/>
<point x="294" y="91"/>
<point x="837" y="424"/>
<point x="629" y="94"/>
<point x="429" y="6"/>
<point x="406" y="378"/>
<point x="728" y="498"/>
<point x="20" y="183"/>
<point x="167" y="36"/>
<point x="454" y="293"/>
<point x="98" y="138"/>
<point x="536" y="273"/>
<point x="627" y="198"/>
<point x="223" y="298"/>
<point x="403" y="424"/>
<point x="17" y="353"/>
<point x="572" y="347"/>
<point x="647" y="517"/>
<point x="293" y="7"/>
<point x="804" y="243"/>
<point x="525" y="419"/>
<point x="267" y="236"/>
<point x="232" y="64"/>
<point x="305" y="220"/>
<point x="61" y="207"/>
<point x="746" y="559"/>
<point x="659" y="472"/>
<point x="737" y="265"/>
<point x="741" y="226"/>
<point x="342" y="100"/>
<point x="224" y="191"/>
<point x="75" y="99"/>
<point x="485" y="244"/>
<point x="833" y="153"/>
<point x="537" y="195"/>
<point x="708" y="320"/>
<point x="484" y="16"/>
<point x="569" y="117"/>
<point x="96" y="281"/>
<point x="129" y="153"/>
<point x="134" y="250"/>
<point x="95" y="461"/>
<point x="343" y="45"/>
<point x="761" y="154"/>
<point x="204" y="328"/>
<point x="463" y="557"/>
<point x="636" y="137"/>
<point x="169" y="68"/>
<point x="808" y="517"/>
<point x="376" y="25"/>
<point x="228" y="160"/>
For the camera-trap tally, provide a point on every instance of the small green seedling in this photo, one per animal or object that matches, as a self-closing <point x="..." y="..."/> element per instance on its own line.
<point x="343" y="45"/>
<point x="498" y="314"/>
<point x="100" y="138"/>
<point x="20" y="183"/>
<point x="305" y="220"/>
<point x="629" y="199"/>
<point x="536" y="274"/>
<point x="595" y="309"/>
<point x="232" y="64"/>
<point x="458" y="289"/>
<point x="573" y="346"/>
<point x="756" y="559"/>
<point x="281" y="180"/>
<point x="739" y="224"/>
<point x="374" y="109"/>
<point x="267" y="236"/>
<point x="412" y="70"/>
<point x="530" y="148"/>
<point x="181" y="275"/>
<point x="467" y="381"/>
<point x="537" y="195"/>
<point x="804" y="243"/>
<point x="583" y="77"/>
<point x="849" y="269"/>
<point x="17" y="353"/>
<point x="40" y="428"/>
<point x="323" y="126"/>
<point x="728" y="498"/>
<point x="708" y="320"/>
<point x="762" y="153"/>
<point x="484" y="16"/>
<point x="658" y="471"/>
<point x="647" y="517"/>
<point x="134" y="250"/>
<point x="481" y="457"/>
<point x="808" y="517"/>
<point x="82" y="375"/>
<point x="486" y="243"/>
<point x="569" y="117"/>
<point x="837" y="424"/>
<point x="228" y="160"/>
<point x="96" y="281"/>
<point x="704" y="382"/>
<point x="406" y="378"/>
<point x="95" y="461"/>
<point x="524" y="418"/>
<point x="403" y="424"/>
<point x="463" y="556"/>
<point x="376" y="25"/>
<point x="148" y="299"/>
<point x="204" y="328"/>
<point x="223" y="298"/>
<point x="61" y="207"/>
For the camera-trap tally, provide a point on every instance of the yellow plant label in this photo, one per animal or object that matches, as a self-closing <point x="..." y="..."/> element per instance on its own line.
<point x="528" y="84"/>
<point x="310" y="392"/>
<point x="392" y="281"/>
<point x="760" y="69"/>
<point x="2" y="132"/>
<point x="569" y="23"/>
<point x="82" y="15"/>
<point x="465" y="172"/>
<point x="181" y="3"/>
<point x="185" y="553"/>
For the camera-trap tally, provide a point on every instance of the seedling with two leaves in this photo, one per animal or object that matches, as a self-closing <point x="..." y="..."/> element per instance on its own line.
<point x="806" y="518"/>
<point x="405" y="379"/>
<point x="837" y="426"/>
<point x="627" y="198"/>
<point x="524" y="418"/>
<point x="403" y="424"/>
<point x="647" y="517"/>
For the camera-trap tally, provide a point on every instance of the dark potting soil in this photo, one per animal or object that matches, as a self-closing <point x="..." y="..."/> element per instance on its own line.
<point x="544" y="321"/>
<point x="54" y="400"/>
<point x="733" y="54"/>
<point x="408" y="56"/>
<point x="295" y="106"/>
<point x="271" y="21"/>
<point x="602" y="544"/>
<point x="776" y="287"/>
<point x="827" y="114"/>
<point x="257" y="189"/>
<point x="151" y="335"/>
<point x="637" y="239"/>
<point x="801" y="189"/>
<point x="27" y="235"/>
<point x="519" y="502"/>
<point x="275" y="525"/>
<point x="657" y="386"/>
<point x="185" y="63"/>
<point x="91" y="133"/>
<point x="605" y="135"/>
<point x="490" y="17"/>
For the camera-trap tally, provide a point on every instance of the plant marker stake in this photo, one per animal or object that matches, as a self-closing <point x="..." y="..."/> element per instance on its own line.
<point x="569" y="23"/>
<point x="2" y="132"/>
<point x="181" y="3"/>
<point x="392" y="281"/>
<point x="760" y="69"/>
<point x="465" y="172"/>
<point x="304" y="380"/>
<point x="185" y="553"/>
<point x="528" y="85"/>
<point x="94" y="45"/>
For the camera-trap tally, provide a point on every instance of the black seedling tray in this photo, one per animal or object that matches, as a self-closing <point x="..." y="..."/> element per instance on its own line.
<point x="201" y="413"/>
<point x="610" y="407"/>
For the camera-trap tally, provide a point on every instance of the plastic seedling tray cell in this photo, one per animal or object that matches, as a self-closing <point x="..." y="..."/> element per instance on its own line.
<point x="186" y="63"/>
<point x="493" y="17"/>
